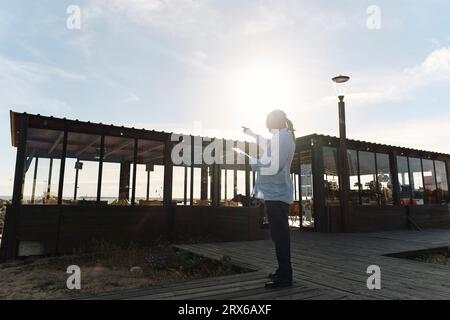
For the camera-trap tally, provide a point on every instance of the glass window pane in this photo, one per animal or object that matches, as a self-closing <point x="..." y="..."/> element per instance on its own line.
<point x="353" y="175"/>
<point x="429" y="178"/>
<point x="197" y="180"/>
<point x="306" y="181"/>
<point x="331" y="176"/>
<point x="226" y="186"/>
<point x="442" y="182"/>
<point x="416" y="181"/>
<point x="84" y="148"/>
<point x="178" y="184"/>
<point x="368" y="178"/>
<point x="385" y="187"/>
<point x="403" y="180"/>
<point x="44" y="147"/>
<point x="240" y="182"/>
<point x="117" y="175"/>
<point x="150" y="173"/>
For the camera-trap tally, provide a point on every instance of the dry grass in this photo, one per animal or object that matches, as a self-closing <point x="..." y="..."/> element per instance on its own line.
<point x="436" y="258"/>
<point x="105" y="269"/>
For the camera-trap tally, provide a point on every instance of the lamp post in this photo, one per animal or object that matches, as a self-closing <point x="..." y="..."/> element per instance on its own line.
<point x="340" y="85"/>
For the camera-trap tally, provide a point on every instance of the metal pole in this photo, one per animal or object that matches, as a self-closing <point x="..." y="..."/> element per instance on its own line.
<point x="344" y="167"/>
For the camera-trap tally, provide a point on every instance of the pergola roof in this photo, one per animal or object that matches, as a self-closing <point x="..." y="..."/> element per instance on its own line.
<point x="369" y="146"/>
<point x="84" y="141"/>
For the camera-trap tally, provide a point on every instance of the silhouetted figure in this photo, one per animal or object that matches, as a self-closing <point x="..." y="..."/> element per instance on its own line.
<point x="274" y="185"/>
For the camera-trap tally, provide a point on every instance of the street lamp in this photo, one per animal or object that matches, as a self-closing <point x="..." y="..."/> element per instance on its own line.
<point x="341" y="86"/>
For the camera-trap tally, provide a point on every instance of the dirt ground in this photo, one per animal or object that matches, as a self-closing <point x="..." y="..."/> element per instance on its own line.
<point x="107" y="269"/>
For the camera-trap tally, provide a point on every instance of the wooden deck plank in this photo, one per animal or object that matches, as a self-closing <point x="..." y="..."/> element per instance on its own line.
<point x="326" y="266"/>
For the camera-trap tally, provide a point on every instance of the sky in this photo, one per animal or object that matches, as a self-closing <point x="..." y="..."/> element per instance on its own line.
<point x="209" y="66"/>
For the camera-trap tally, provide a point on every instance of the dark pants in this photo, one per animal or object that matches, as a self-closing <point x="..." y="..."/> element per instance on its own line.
<point x="278" y="213"/>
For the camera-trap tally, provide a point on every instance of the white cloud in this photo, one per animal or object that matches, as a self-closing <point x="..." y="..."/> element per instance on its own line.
<point x="437" y="63"/>
<point x="388" y="86"/>
<point x="22" y="82"/>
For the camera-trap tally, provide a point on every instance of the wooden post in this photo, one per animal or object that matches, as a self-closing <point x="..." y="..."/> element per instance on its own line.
<point x="215" y="185"/>
<point x="124" y="180"/>
<point x="133" y="186"/>
<point x="320" y="221"/>
<point x="226" y="185"/>
<point x="191" y="191"/>
<point x="75" y="189"/>
<point x="185" y="186"/>
<point x="447" y="170"/>
<point x="49" y="184"/>
<point x="168" y="174"/>
<point x="394" y="177"/>
<point x="438" y="195"/>
<point x="234" y="182"/>
<point x="9" y="240"/>
<point x="148" y="185"/>
<point x="100" y="169"/>
<point x="61" y="189"/>
<point x="295" y="186"/>
<point x="235" y="171"/>
<point x="62" y="168"/>
<point x="204" y="182"/>
<point x="33" y="192"/>
<point x="247" y="172"/>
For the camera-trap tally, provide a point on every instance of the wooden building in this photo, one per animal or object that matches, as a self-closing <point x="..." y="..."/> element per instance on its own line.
<point x="76" y="182"/>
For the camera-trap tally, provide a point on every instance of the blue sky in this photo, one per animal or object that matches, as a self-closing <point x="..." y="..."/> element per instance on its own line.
<point x="167" y="64"/>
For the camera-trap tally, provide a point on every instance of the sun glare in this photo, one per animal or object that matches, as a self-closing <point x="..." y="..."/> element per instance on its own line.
<point x="261" y="87"/>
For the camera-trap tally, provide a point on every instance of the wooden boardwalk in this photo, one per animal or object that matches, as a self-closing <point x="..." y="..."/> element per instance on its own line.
<point x="326" y="266"/>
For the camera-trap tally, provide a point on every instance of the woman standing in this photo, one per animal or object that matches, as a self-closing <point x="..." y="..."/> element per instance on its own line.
<point x="274" y="185"/>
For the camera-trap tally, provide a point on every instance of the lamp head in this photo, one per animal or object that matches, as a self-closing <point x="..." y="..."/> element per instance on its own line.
<point x="340" y="84"/>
